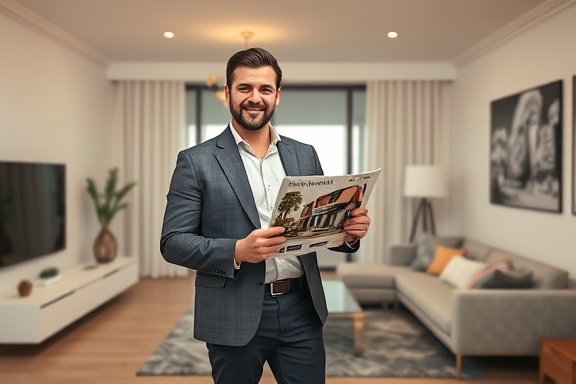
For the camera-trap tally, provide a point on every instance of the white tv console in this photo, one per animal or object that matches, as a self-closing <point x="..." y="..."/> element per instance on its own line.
<point x="50" y="308"/>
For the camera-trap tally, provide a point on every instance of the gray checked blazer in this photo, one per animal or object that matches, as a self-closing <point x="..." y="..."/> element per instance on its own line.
<point x="209" y="207"/>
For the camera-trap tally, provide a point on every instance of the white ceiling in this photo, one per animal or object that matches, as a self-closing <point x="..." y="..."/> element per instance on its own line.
<point x="293" y="30"/>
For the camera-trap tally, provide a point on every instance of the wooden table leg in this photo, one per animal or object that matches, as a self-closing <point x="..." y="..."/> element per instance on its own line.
<point x="358" y="333"/>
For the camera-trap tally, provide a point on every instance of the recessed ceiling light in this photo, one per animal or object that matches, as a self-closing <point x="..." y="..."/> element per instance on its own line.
<point x="168" y="35"/>
<point x="392" y="34"/>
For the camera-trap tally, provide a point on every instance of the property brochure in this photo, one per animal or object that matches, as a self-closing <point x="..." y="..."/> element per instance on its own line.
<point x="313" y="209"/>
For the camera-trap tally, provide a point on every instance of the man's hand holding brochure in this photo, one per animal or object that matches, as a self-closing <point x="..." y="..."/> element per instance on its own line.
<point x="313" y="209"/>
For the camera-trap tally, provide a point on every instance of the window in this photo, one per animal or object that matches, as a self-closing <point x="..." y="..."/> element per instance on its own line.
<point x="331" y="118"/>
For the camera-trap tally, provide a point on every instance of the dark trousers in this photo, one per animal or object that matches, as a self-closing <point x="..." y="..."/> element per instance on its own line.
<point x="289" y="338"/>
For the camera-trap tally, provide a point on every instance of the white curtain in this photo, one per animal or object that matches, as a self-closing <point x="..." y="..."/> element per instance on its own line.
<point x="407" y="123"/>
<point x="150" y="130"/>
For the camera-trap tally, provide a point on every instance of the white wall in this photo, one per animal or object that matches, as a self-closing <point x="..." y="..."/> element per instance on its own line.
<point x="56" y="105"/>
<point x="537" y="56"/>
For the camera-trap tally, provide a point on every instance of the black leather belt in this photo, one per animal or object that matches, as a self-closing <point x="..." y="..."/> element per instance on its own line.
<point x="280" y="287"/>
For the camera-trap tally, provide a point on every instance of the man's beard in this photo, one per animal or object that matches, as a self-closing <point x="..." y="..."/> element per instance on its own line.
<point x="249" y="123"/>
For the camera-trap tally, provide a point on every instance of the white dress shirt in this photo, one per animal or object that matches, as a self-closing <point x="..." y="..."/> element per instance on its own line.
<point x="265" y="176"/>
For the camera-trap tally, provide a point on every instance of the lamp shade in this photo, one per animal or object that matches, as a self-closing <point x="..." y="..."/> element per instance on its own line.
<point x="424" y="181"/>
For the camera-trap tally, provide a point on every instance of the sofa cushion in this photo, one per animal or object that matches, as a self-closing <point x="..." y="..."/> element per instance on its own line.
<point x="460" y="271"/>
<point x="487" y="272"/>
<point x="427" y="247"/>
<point x="442" y="257"/>
<point x="476" y="250"/>
<point x="501" y="278"/>
<point x="544" y="276"/>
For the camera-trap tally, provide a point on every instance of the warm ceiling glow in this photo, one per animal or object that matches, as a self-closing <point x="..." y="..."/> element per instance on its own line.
<point x="392" y="34"/>
<point x="168" y="35"/>
<point x="232" y="34"/>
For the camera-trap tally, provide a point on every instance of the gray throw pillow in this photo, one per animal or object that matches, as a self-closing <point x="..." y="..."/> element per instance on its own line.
<point x="507" y="279"/>
<point x="427" y="247"/>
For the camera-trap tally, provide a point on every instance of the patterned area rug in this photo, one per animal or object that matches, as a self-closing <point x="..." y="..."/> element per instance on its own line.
<point x="395" y="345"/>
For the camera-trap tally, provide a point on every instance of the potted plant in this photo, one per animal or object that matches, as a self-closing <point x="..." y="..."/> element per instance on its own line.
<point x="107" y="204"/>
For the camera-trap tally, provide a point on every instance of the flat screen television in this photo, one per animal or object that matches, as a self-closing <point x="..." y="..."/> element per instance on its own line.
<point x="32" y="210"/>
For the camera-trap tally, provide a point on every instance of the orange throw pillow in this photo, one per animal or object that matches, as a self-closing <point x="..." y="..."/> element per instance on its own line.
<point x="442" y="257"/>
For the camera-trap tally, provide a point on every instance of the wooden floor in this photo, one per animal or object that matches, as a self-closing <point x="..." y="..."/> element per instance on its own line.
<point x="111" y="344"/>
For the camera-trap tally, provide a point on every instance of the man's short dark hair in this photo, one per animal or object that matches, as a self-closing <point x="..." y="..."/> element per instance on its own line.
<point x="252" y="58"/>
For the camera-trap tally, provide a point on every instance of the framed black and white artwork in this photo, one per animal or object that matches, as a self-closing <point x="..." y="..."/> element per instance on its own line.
<point x="526" y="149"/>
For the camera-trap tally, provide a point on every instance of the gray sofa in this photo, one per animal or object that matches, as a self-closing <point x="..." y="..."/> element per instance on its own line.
<point x="471" y="322"/>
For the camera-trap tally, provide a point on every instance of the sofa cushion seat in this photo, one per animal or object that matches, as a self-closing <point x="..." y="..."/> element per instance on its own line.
<point x="357" y="275"/>
<point x="430" y="294"/>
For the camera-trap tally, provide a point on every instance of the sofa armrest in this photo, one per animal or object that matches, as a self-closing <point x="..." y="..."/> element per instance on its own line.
<point x="400" y="254"/>
<point x="510" y="322"/>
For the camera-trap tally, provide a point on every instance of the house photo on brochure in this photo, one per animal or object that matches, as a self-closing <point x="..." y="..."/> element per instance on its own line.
<point x="313" y="209"/>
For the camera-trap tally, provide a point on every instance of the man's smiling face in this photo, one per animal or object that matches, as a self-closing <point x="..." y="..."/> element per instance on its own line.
<point x="252" y="97"/>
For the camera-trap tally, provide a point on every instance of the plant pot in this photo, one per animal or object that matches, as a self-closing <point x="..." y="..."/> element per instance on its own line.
<point x="105" y="247"/>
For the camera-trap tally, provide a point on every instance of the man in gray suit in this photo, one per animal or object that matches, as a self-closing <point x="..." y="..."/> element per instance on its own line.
<point x="250" y="307"/>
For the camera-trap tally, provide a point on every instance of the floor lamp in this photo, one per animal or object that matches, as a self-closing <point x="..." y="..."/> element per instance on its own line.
<point x="425" y="182"/>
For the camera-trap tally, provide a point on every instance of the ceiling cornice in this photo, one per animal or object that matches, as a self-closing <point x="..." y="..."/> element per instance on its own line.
<point x="531" y="18"/>
<point x="22" y="14"/>
<point x="293" y="73"/>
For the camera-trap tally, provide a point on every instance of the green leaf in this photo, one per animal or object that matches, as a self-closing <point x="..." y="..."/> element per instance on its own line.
<point x="107" y="204"/>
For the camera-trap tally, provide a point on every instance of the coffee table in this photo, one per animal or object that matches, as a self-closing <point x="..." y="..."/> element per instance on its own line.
<point x="341" y="303"/>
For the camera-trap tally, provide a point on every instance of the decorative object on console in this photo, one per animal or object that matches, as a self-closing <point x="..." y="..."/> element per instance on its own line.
<point x="424" y="181"/>
<point x="25" y="288"/>
<point x="526" y="149"/>
<point x="49" y="272"/>
<point x="49" y="276"/>
<point x="107" y="205"/>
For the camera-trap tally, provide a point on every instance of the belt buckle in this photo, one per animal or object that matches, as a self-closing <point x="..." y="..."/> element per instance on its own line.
<point x="281" y="284"/>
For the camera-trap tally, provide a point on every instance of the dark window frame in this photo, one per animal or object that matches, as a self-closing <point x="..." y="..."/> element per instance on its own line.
<point x="348" y="88"/>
